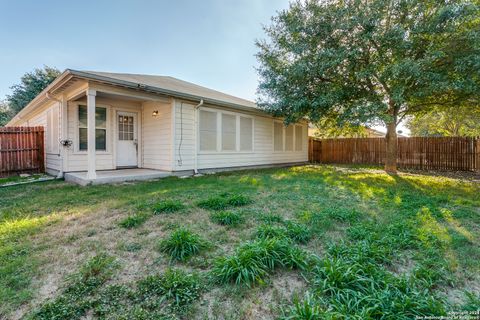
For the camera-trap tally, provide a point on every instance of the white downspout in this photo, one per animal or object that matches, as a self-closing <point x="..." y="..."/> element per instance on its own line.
<point x="195" y="121"/>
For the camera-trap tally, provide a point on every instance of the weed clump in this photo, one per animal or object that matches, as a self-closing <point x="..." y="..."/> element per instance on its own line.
<point x="253" y="261"/>
<point x="182" y="244"/>
<point x="226" y="218"/>
<point x="133" y="221"/>
<point x="224" y="201"/>
<point x="175" y="286"/>
<point x="168" y="206"/>
<point x="73" y="303"/>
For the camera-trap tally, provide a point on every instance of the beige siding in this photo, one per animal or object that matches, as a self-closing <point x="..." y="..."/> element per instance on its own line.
<point x="43" y="117"/>
<point x="157" y="136"/>
<point x="262" y="153"/>
<point x="184" y="136"/>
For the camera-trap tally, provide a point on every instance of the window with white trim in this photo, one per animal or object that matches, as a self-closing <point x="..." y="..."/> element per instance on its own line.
<point x="100" y="128"/>
<point x="246" y="134"/>
<point x="277" y="136"/>
<point x="298" y="138"/>
<point x="208" y="130"/>
<point x="229" y="132"/>
<point x="225" y="132"/>
<point x="52" y="143"/>
<point x="289" y="138"/>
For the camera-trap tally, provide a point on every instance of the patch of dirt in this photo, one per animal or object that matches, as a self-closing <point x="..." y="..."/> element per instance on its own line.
<point x="456" y="296"/>
<point x="258" y="302"/>
<point x="78" y="237"/>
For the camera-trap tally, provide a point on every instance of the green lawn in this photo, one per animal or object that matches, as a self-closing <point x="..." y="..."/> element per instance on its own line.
<point x="314" y="242"/>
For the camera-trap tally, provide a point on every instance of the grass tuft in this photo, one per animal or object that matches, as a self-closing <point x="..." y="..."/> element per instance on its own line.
<point x="175" y="286"/>
<point x="306" y="309"/>
<point x="226" y="218"/>
<point x="224" y="201"/>
<point x="253" y="261"/>
<point x="133" y="221"/>
<point x="74" y="301"/>
<point x="168" y="206"/>
<point x="182" y="244"/>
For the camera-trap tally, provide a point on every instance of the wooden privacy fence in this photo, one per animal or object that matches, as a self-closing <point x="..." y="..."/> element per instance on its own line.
<point x="436" y="153"/>
<point x="21" y="150"/>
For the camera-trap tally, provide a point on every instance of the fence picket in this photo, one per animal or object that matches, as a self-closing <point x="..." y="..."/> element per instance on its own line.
<point x="423" y="153"/>
<point x="21" y="150"/>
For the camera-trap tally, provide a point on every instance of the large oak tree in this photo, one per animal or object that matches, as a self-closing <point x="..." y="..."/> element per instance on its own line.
<point x="370" y="60"/>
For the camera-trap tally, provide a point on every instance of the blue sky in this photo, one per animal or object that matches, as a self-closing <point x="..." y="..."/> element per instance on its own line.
<point x="208" y="42"/>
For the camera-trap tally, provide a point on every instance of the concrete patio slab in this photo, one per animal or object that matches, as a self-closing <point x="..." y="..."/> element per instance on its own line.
<point x="116" y="176"/>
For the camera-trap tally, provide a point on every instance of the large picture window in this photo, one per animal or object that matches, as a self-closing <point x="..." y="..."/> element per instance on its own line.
<point x="246" y="134"/>
<point x="100" y="128"/>
<point x="208" y="130"/>
<point x="225" y="132"/>
<point x="298" y="138"/>
<point x="229" y="132"/>
<point x="278" y="136"/>
<point x="287" y="138"/>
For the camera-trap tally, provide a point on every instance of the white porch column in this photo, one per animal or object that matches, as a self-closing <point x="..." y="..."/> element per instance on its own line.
<point x="91" y="174"/>
<point x="64" y="133"/>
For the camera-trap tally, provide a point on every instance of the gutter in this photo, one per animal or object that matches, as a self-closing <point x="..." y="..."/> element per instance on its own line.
<point x="138" y="86"/>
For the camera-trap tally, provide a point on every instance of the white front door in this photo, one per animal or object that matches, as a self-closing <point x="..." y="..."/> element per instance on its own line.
<point x="126" y="139"/>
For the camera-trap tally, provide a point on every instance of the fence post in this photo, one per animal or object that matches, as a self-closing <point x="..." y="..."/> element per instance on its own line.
<point x="477" y="153"/>
<point x="41" y="148"/>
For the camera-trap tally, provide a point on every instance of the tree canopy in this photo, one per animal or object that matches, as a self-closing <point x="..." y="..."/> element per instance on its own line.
<point x="31" y="84"/>
<point x="5" y="113"/>
<point x="370" y="60"/>
<point x="458" y="121"/>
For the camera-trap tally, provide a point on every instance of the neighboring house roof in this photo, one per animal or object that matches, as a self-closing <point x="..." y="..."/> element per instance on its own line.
<point x="150" y="83"/>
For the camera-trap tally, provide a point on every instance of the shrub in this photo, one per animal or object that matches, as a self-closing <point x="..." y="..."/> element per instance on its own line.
<point x="176" y="286"/>
<point x="133" y="221"/>
<point x="254" y="260"/>
<point x="167" y="206"/>
<point x="227" y="218"/>
<point x="182" y="244"/>
<point x="224" y="201"/>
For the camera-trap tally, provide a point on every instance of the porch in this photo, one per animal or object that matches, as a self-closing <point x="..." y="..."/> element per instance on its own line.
<point x="126" y="129"/>
<point x="115" y="176"/>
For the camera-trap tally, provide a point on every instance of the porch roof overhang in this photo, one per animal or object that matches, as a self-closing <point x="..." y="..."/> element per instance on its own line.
<point x="69" y="76"/>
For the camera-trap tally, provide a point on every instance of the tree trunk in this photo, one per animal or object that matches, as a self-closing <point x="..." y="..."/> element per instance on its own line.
<point x="391" y="148"/>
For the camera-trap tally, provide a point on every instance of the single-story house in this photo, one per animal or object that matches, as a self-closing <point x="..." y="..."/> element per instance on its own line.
<point x="154" y="122"/>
